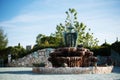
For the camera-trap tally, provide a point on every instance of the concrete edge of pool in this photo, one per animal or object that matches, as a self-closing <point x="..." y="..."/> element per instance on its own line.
<point x="73" y="70"/>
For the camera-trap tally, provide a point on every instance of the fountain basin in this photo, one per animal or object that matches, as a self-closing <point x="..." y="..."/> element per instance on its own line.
<point x="73" y="70"/>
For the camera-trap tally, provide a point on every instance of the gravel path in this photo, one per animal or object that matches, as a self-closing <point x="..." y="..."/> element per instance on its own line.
<point x="23" y="73"/>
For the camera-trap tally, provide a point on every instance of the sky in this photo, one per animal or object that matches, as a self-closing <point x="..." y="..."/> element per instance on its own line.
<point x="23" y="20"/>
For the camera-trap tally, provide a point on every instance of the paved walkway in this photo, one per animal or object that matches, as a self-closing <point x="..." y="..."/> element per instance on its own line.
<point x="22" y="73"/>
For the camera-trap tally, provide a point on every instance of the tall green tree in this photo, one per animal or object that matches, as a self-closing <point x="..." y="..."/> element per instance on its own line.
<point x="85" y="38"/>
<point x="3" y="39"/>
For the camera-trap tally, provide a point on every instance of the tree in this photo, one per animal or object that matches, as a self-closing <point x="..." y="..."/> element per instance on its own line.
<point x="3" y="39"/>
<point x="116" y="46"/>
<point x="47" y="41"/>
<point x="38" y="38"/>
<point x="17" y="51"/>
<point x="85" y="38"/>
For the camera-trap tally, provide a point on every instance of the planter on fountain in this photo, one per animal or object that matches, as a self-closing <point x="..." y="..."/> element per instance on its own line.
<point x="73" y="57"/>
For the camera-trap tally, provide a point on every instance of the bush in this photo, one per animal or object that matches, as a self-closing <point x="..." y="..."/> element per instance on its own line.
<point x="39" y="64"/>
<point x="116" y="46"/>
<point x="101" y="51"/>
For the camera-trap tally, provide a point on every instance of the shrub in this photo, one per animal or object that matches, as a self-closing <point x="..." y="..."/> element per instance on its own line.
<point x="39" y="64"/>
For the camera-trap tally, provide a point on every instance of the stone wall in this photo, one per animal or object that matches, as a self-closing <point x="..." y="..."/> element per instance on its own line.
<point x="36" y="57"/>
<point x="115" y="57"/>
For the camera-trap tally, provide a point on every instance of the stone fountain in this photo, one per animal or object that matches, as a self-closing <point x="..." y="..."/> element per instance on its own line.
<point x="72" y="55"/>
<point x="72" y="59"/>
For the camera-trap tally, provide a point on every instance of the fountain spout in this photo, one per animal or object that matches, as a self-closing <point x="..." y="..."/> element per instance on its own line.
<point x="70" y="37"/>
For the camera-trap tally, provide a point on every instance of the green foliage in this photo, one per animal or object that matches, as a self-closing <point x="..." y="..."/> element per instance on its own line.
<point x="4" y="54"/>
<point x="103" y="50"/>
<point x="38" y="38"/>
<point x="56" y="39"/>
<point x="3" y="40"/>
<point x="16" y="52"/>
<point x="106" y="44"/>
<point x="116" y="46"/>
<point x="47" y="41"/>
<point x="85" y="38"/>
<point x="39" y="64"/>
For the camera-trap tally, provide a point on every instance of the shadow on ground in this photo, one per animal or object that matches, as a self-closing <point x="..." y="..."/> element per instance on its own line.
<point x="116" y="70"/>
<point x="26" y="72"/>
<point x="17" y="72"/>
